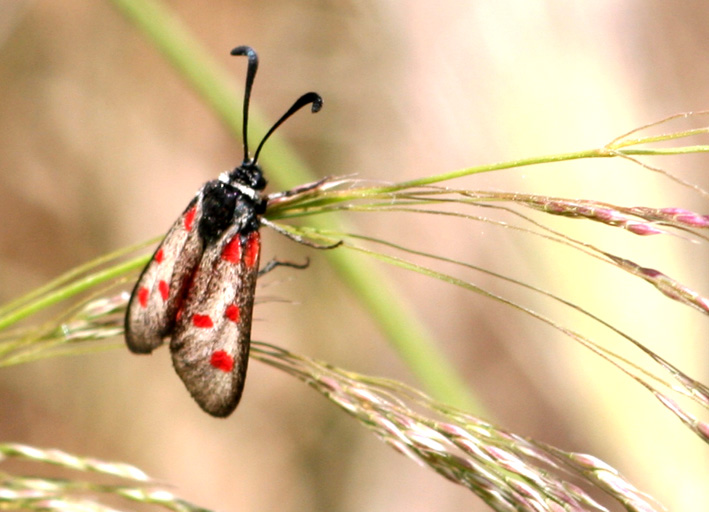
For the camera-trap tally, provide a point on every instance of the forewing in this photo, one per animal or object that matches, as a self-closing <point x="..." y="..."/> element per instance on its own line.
<point x="160" y="290"/>
<point x="210" y="344"/>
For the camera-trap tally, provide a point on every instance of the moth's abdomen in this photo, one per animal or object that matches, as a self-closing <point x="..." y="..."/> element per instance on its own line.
<point x="159" y="292"/>
<point x="210" y="343"/>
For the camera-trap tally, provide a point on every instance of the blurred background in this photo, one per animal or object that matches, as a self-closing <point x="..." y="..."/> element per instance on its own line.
<point x="102" y="145"/>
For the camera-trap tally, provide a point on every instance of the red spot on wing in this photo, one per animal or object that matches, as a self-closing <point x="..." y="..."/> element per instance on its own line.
<point x="164" y="289"/>
<point x="222" y="361"/>
<point x="159" y="256"/>
<point x="253" y="246"/>
<point x="143" y="295"/>
<point x="232" y="313"/>
<point x="202" y="321"/>
<point x="189" y="218"/>
<point x="232" y="250"/>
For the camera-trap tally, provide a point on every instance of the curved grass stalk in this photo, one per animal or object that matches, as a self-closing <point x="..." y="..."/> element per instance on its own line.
<point x="415" y="437"/>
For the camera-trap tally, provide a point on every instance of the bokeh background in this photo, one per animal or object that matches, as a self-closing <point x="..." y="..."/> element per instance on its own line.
<point x="102" y="145"/>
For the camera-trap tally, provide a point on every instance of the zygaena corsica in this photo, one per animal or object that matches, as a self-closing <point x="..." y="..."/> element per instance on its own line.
<point x="198" y="289"/>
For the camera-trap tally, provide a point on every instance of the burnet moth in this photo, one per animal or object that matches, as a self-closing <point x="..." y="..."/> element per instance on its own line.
<point x="197" y="291"/>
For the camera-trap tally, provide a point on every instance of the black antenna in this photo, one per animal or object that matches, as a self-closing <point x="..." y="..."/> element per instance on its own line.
<point x="305" y="99"/>
<point x="250" y="74"/>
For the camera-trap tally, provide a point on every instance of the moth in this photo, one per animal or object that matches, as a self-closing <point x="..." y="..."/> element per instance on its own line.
<point x="198" y="289"/>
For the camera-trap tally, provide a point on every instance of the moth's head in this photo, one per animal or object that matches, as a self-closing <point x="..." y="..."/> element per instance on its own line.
<point x="248" y="174"/>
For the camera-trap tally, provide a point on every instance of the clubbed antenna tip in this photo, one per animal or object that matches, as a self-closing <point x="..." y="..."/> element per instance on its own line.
<point x="306" y="99"/>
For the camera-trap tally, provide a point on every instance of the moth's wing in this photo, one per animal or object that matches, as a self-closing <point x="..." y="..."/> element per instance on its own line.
<point x="160" y="290"/>
<point x="210" y="345"/>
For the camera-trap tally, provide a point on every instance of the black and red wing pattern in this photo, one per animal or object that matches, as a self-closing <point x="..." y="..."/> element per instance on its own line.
<point x="160" y="290"/>
<point x="210" y="344"/>
<point x="198" y="291"/>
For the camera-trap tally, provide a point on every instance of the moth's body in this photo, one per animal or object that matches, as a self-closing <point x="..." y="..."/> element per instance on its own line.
<point x="198" y="289"/>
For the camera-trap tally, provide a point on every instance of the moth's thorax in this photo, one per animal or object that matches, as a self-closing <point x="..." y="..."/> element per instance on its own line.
<point x="229" y="203"/>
